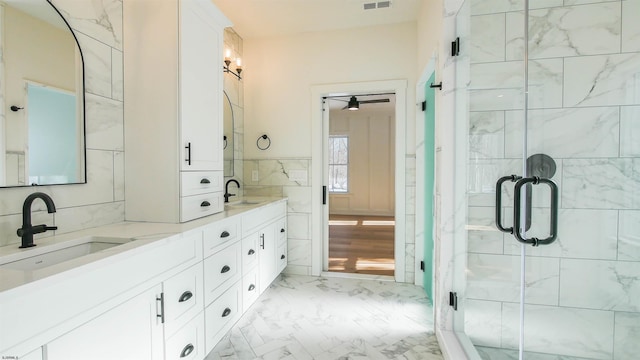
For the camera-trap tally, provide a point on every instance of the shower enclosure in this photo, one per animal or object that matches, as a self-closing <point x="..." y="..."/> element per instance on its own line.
<point x="549" y="91"/>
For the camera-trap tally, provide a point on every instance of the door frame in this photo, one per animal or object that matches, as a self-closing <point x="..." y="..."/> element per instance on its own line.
<point x="319" y="212"/>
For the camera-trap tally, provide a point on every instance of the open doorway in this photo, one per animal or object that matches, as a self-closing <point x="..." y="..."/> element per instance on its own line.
<point x="360" y="178"/>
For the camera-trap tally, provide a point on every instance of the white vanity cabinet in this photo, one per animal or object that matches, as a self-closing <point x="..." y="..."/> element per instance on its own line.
<point x="132" y="331"/>
<point x="173" y="119"/>
<point x="173" y="297"/>
<point x="265" y="228"/>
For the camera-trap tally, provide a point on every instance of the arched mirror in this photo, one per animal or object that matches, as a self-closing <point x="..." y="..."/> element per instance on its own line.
<point x="42" y="102"/>
<point x="228" y="135"/>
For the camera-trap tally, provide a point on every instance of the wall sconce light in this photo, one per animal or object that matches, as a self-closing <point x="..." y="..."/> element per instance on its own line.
<point x="227" y="63"/>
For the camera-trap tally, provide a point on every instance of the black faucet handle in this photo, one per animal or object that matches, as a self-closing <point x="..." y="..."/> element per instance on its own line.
<point x="37" y="229"/>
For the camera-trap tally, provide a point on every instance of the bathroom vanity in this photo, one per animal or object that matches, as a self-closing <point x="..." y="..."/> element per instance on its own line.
<point x="164" y="291"/>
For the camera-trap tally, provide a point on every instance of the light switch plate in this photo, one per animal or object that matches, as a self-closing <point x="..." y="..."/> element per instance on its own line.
<point x="255" y="175"/>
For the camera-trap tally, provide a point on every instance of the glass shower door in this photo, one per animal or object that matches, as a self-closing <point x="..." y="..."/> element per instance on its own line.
<point x="577" y="124"/>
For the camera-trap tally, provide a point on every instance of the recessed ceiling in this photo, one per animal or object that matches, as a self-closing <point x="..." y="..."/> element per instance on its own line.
<point x="267" y="18"/>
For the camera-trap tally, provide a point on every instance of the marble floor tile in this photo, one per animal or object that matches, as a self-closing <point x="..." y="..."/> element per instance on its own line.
<point x="305" y="317"/>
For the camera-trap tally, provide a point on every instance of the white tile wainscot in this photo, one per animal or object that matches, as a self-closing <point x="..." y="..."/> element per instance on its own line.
<point x="158" y="285"/>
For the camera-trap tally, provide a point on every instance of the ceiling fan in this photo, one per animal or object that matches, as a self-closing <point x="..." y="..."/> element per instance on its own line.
<point x="354" y="103"/>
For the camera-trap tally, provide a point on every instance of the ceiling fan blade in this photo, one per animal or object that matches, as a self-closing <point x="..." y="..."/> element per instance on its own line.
<point x="374" y="101"/>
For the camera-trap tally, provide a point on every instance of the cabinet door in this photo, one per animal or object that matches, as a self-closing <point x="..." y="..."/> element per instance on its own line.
<point x="131" y="331"/>
<point x="200" y="89"/>
<point x="267" y="256"/>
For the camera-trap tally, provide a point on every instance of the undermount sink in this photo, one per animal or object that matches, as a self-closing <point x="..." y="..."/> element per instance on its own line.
<point x="244" y="202"/>
<point x="48" y="255"/>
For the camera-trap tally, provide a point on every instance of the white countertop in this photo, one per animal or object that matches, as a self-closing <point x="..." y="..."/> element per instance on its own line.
<point x="146" y="235"/>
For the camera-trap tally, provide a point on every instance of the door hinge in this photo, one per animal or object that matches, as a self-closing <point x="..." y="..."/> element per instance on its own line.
<point x="424" y="105"/>
<point x="455" y="47"/>
<point x="422" y="266"/>
<point x="160" y="307"/>
<point x="453" y="300"/>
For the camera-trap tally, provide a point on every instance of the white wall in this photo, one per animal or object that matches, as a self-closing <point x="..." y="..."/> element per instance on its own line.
<point x="279" y="73"/>
<point x="98" y="26"/>
<point x="371" y="161"/>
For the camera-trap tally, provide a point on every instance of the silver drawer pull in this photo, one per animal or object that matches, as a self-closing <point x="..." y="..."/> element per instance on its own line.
<point x="226" y="312"/>
<point x="187" y="351"/>
<point x="185" y="296"/>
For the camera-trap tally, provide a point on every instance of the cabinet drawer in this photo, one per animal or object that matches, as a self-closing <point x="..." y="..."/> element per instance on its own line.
<point x="220" y="270"/>
<point x="220" y="234"/>
<point x="183" y="297"/>
<point x="196" y="206"/>
<point x="281" y="231"/>
<point x="262" y="216"/>
<point x="188" y="342"/>
<point x="281" y="257"/>
<point x="200" y="182"/>
<point x="250" y="291"/>
<point x="249" y="252"/>
<point x="222" y="314"/>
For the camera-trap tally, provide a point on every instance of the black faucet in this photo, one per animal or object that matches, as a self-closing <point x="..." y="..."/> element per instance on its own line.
<point x="27" y="230"/>
<point x="226" y="189"/>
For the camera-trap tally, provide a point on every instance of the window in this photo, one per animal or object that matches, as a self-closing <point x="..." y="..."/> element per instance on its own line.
<point x="339" y="164"/>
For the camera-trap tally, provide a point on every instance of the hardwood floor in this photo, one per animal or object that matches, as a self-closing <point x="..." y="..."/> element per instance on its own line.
<point x="361" y="244"/>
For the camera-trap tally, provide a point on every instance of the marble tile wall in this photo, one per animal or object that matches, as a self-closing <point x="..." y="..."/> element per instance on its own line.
<point x="274" y="179"/>
<point x="584" y="73"/>
<point x="98" y="27"/>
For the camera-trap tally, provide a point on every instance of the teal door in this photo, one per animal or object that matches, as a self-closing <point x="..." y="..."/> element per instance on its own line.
<point x="429" y="166"/>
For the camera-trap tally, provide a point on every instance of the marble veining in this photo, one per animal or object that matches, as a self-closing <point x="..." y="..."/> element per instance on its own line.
<point x="301" y="317"/>
<point x="601" y="183"/>
<point x="602" y="80"/>
<point x="102" y="19"/>
<point x="496" y="6"/>
<point x="629" y="236"/>
<point x="487" y="38"/>
<point x="575" y="332"/>
<point x="106" y="129"/>
<point x="486" y="134"/>
<point x="612" y="285"/>
<point x="496" y="277"/>
<point x="562" y="31"/>
<point x="97" y="65"/>
<point x="565" y="133"/>
<point x="629" y="131"/>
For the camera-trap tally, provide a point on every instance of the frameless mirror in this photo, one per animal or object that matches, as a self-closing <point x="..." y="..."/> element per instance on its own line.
<point x="228" y="135"/>
<point x="42" y="100"/>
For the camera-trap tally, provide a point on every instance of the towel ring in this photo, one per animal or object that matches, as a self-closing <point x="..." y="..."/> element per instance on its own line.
<point x="263" y="137"/>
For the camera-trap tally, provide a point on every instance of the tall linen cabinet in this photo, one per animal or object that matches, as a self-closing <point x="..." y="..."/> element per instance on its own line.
<point x="173" y="52"/>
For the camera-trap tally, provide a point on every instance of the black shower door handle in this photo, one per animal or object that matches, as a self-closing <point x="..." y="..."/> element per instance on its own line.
<point x="517" y="202"/>
<point x="502" y="180"/>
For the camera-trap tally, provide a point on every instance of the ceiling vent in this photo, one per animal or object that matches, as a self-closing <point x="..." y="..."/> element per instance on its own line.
<point x="377" y="5"/>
